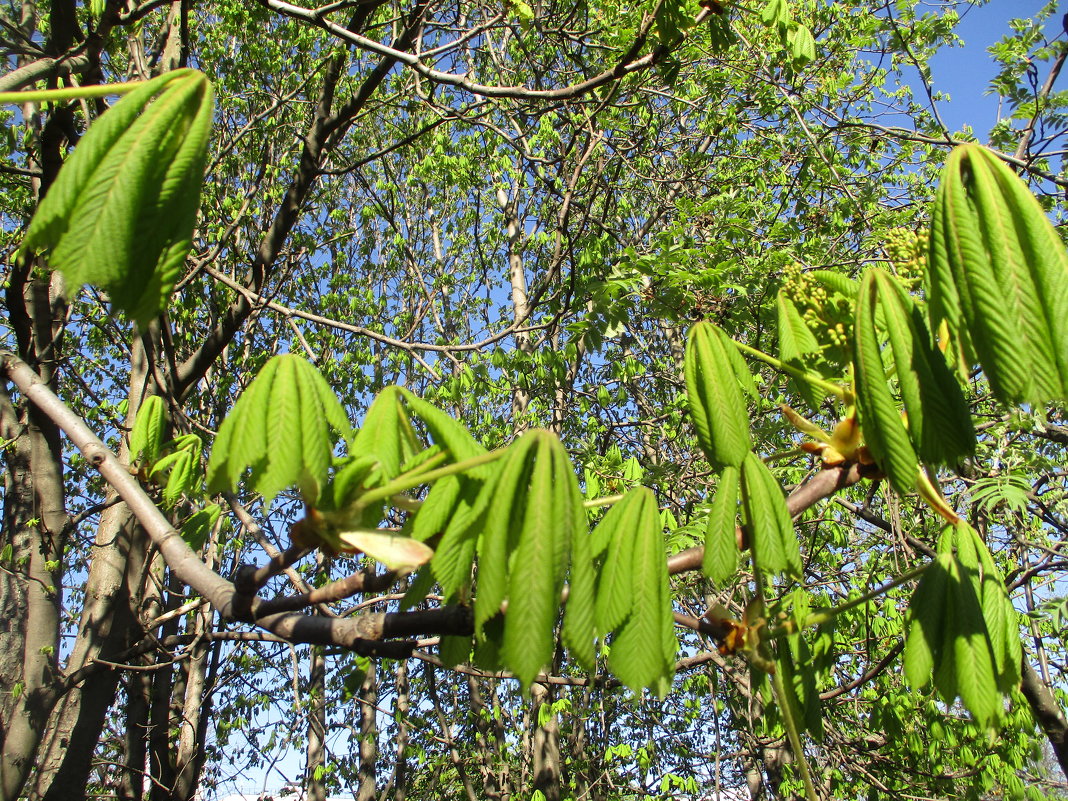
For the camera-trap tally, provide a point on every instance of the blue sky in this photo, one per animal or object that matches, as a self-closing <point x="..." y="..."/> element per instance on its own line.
<point x="965" y="72"/>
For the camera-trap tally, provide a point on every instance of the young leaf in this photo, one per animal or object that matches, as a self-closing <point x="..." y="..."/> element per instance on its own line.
<point x="386" y="433"/>
<point x="643" y="649"/>
<point x="771" y="533"/>
<point x="505" y="500"/>
<point x="615" y="586"/>
<point x="535" y="580"/>
<point x="716" y="405"/>
<point x="997" y="268"/>
<point x="884" y="431"/>
<point x="939" y="420"/>
<point x="579" y="630"/>
<point x="448" y="433"/>
<point x="926" y="623"/>
<point x="796" y="344"/>
<point x="146" y="436"/>
<point x="198" y="526"/>
<point x="279" y="427"/>
<point x="721" y="541"/>
<point x="456" y="551"/>
<point x="120" y="214"/>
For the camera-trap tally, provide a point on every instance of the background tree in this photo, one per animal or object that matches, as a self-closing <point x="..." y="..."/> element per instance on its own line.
<point x="515" y="212"/>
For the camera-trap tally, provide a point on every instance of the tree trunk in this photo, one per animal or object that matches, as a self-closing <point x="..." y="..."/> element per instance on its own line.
<point x="545" y="744"/>
<point x="316" y="696"/>
<point x="368" y="734"/>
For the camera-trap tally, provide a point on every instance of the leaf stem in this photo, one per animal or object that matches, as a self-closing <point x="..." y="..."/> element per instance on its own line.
<point x="410" y="480"/>
<point x="817" y="618"/>
<point x="607" y="500"/>
<point x="829" y="387"/>
<point x="793" y="733"/>
<point x="70" y="93"/>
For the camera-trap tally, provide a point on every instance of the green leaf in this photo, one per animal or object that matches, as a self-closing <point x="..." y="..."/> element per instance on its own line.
<point x="721" y="541"/>
<point x="926" y="623"/>
<point x="797" y="346"/>
<point x="505" y="502"/>
<point x="643" y="649"/>
<point x="579" y="630"/>
<point x="999" y="615"/>
<point x="456" y="551"/>
<point x="836" y="282"/>
<point x="437" y="508"/>
<point x="716" y="406"/>
<point x="775" y="12"/>
<point x="884" y="431"/>
<point x="771" y="532"/>
<point x="615" y="586"/>
<point x="997" y="269"/>
<point x="418" y="589"/>
<point x="197" y="527"/>
<point x="975" y="681"/>
<point x="535" y="582"/>
<point x="146" y="436"/>
<point x="121" y="212"/>
<point x="939" y="418"/>
<point x="802" y="45"/>
<point x="280" y="428"/>
<point x="386" y="433"/>
<point x="448" y="433"/>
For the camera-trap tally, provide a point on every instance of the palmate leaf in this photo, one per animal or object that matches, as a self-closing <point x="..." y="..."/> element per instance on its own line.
<point x="996" y="273"/>
<point x="716" y="406"/>
<point x="280" y="428"/>
<point x="121" y="212"/>
<point x="962" y="629"/>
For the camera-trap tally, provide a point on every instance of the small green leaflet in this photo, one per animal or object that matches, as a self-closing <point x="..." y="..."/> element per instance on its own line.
<point x="939" y="419"/>
<point x="635" y="574"/>
<point x="386" y="434"/>
<point x="996" y="274"/>
<point x="721" y="542"/>
<point x="280" y="427"/>
<point x="716" y="406"/>
<point x="962" y="629"/>
<point x="880" y="419"/>
<point x="447" y="432"/>
<point x="771" y="532"/>
<point x="182" y="468"/>
<point x="198" y="526"/>
<point x="146" y="436"/>
<point x="797" y="346"/>
<point x="121" y="212"/>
